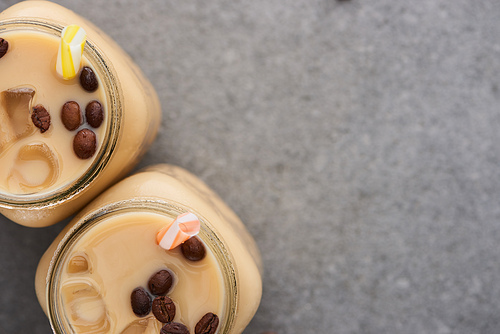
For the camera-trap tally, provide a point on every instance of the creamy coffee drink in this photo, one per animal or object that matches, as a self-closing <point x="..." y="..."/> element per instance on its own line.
<point x="43" y="117"/>
<point x="120" y="255"/>
<point x="108" y="270"/>
<point x="75" y="117"/>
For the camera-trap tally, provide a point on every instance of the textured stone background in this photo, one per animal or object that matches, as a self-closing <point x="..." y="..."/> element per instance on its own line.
<point x="370" y="126"/>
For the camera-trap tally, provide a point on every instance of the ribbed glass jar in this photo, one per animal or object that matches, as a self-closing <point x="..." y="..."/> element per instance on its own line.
<point x="169" y="191"/>
<point x="132" y="110"/>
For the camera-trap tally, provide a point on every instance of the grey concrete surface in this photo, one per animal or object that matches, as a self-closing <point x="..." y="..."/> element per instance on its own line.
<point x="358" y="140"/>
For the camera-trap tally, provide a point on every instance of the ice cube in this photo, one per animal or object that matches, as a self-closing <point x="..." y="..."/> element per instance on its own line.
<point x="16" y="103"/>
<point x="85" y="307"/>
<point x="141" y="326"/>
<point x="7" y="133"/>
<point x="78" y="264"/>
<point x="35" y="168"/>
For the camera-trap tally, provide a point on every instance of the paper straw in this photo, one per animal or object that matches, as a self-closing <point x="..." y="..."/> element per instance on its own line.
<point x="182" y="228"/>
<point x="70" y="51"/>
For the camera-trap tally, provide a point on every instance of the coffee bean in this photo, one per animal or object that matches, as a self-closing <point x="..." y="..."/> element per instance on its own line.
<point x="163" y="309"/>
<point x="208" y="324"/>
<point x="160" y="283"/>
<point x="71" y="115"/>
<point x="94" y="114"/>
<point x="174" y="328"/>
<point x="141" y="302"/>
<point x="85" y="143"/>
<point x="4" y="46"/>
<point x="88" y="79"/>
<point x="193" y="249"/>
<point x="40" y="118"/>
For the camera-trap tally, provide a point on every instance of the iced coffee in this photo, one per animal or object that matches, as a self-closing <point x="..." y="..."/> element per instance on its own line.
<point x="51" y="128"/>
<point x="117" y="268"/>
<point x="68" y="127"/>
<point x="117" y="279"/>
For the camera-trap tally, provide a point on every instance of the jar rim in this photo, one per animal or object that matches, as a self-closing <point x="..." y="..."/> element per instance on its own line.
<point x="113" y="93"/>
<point x="207" y="233"/>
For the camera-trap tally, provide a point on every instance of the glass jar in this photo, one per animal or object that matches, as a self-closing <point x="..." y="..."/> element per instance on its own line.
<point x="165" y="190"/>
<point x="133" y="116"/>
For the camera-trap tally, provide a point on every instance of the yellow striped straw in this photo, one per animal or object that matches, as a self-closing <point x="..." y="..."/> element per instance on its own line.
<point x="70" y="52"/>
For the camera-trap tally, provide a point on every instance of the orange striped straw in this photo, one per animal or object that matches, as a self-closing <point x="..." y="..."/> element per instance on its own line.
<point x="185" y="226"/>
